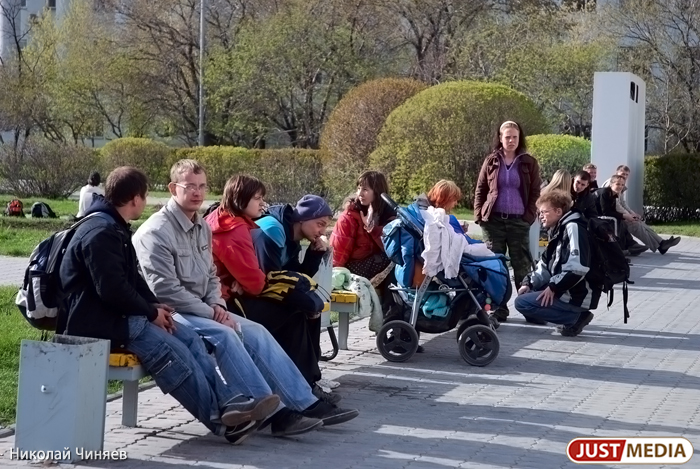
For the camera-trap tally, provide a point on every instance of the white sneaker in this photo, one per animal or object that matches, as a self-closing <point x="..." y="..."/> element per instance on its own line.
<point x="327" y="384"/>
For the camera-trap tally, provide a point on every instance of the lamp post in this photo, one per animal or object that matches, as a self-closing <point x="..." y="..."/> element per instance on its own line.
<point x="202" y="6"/>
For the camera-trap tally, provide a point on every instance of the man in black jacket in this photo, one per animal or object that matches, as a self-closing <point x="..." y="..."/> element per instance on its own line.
<point x="108" y="299"/>
<point x="557" y="290"/>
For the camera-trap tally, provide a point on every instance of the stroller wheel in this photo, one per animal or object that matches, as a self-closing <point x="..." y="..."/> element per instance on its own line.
<point x="397" y="341"/>
<point x="479" y="345"/>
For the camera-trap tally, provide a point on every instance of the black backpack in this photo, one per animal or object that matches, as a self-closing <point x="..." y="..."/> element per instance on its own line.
<point x="40" y="299"/>
<point x="609" y="266"/>
<point x="211" y="208"/>
<point x="42" y="210"/>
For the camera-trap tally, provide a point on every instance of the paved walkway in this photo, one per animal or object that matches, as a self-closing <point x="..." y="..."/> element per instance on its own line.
<point x="434" y="411"/>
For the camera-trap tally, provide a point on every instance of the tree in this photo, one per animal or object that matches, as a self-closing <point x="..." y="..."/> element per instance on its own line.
<point x="428" y="28"/>
<point x="661" y="42"/>
<point x="548" y="53"/>
<point x="287" y="72"/>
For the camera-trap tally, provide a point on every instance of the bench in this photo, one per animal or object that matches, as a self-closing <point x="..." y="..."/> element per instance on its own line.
<point x="125" y="367"/>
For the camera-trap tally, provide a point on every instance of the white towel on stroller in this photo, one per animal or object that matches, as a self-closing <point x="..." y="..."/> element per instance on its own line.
<point x="443" y="246"/>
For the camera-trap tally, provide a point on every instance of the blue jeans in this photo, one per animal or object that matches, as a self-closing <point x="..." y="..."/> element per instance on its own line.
<point x="181" y="367"/>
<point x="257" y="363"/>
<point x="558" y="313"/>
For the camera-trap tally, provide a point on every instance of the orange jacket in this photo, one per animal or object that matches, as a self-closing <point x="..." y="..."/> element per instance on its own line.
<point x="234" y="254"/>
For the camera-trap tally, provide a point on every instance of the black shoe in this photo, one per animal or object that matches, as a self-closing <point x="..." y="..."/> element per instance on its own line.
<point x="288" y="422"/>
<point x="536" y="321"/>
<point x="330" y="414"/>
<point x="675" y="241"/>
<point x="572" y="331"/>
<point x="329" y="397"/>
<point x="236" y="435"/>
<point x="420" y="349"/>
<point x="256" y="409"/>
<point x="665" y="245"/>
<point x="501" y="314"/>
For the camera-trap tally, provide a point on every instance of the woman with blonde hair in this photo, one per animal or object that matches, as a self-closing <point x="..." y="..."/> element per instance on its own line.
<point x="561" y="181"/>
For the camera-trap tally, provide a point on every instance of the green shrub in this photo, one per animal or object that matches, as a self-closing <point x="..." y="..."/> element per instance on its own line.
<point x="671" y="182"/>
<point x="350" y="135"/>
<point x="445" y="132"/>
<point x="554" y="152"/>
<point x="151" y="157"/>
<point x="288" y="173"/>
<point x="46" y="169"/>
<point x="220" y="162"/>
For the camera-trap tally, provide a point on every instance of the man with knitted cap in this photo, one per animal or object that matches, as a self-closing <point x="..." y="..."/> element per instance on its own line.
<point x="278" y="246"/>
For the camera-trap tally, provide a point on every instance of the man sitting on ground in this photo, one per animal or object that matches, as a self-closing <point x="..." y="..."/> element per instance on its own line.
<point x="277" y="245"/>
<point x="557" y="291"/>
<point x="633" y="221"/>
<point x="108" y="299"/>
<point x="174" y="252"/>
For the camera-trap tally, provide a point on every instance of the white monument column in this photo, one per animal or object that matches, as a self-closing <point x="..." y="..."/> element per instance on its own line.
<point x="619" y="102"/>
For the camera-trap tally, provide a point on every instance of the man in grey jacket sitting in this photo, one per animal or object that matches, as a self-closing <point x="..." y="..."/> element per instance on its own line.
<point x="174" y="252"/>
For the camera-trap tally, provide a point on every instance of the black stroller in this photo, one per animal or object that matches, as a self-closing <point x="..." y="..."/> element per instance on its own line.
<point x="461" y="301"/>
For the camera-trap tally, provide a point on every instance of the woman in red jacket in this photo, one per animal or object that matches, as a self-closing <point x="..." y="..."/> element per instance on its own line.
<point x="356" y="237"/>
<point x="232" y="245"/>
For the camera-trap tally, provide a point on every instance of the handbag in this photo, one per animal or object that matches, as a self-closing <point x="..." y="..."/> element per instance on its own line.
<point x="370" y="266"/>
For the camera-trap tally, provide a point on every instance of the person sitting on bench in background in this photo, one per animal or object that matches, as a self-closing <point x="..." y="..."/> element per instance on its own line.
<point x="175" y="255"/>
<point x="633" y="221"/>
<point x="108" y="299"/>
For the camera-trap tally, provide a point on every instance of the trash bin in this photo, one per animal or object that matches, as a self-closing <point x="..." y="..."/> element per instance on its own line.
<point x="61" y="397"/>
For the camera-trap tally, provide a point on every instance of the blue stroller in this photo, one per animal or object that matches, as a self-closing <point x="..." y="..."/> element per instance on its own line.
<point x="435" y="304"/>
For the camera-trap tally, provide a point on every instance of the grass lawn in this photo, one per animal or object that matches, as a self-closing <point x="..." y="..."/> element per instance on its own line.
<point x="13" y="328"/>
<point x="463" y="213"/>
<point x="679" y="228"/>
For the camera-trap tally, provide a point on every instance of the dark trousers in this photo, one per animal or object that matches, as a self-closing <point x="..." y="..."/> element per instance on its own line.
<point x="298" y="336"/>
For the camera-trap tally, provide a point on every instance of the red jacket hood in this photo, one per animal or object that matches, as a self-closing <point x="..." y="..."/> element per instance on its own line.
<point x="221" y="221"/>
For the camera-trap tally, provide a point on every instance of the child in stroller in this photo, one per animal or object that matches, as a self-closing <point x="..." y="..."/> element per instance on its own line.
<point x="457" y="296"/>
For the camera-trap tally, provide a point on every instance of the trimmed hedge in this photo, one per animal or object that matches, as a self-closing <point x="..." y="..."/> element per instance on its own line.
<point x="288" y="173"/>
<point x="350" y="135"/>
<point x="671" y="187"/>
<point x="151" y="157"/>
<point x="445" y="132"/>
<point x="554" y="152"/>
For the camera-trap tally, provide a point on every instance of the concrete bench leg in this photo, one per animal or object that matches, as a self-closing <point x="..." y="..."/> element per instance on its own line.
<point x="343" y="330"/>
<point x="130" y="403"/>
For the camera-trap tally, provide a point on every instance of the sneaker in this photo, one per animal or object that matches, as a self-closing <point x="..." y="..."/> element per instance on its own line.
<point x="330" y="414"/>
<point x="572" y="331"/>
<point x="237" y="434"/>
<point x="329" y="397"/>
<point x="257" y="409"/>
<point x="288" y="422"/>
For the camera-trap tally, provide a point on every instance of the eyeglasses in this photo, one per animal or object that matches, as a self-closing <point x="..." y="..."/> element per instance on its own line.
<point x="190" y="188"/>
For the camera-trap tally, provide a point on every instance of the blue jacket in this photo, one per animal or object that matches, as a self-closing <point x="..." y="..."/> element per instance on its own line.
<point x="275" y="246"/>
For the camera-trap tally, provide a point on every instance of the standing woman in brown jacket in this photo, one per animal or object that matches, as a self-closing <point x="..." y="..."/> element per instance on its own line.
<point x="504" y="203"/>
